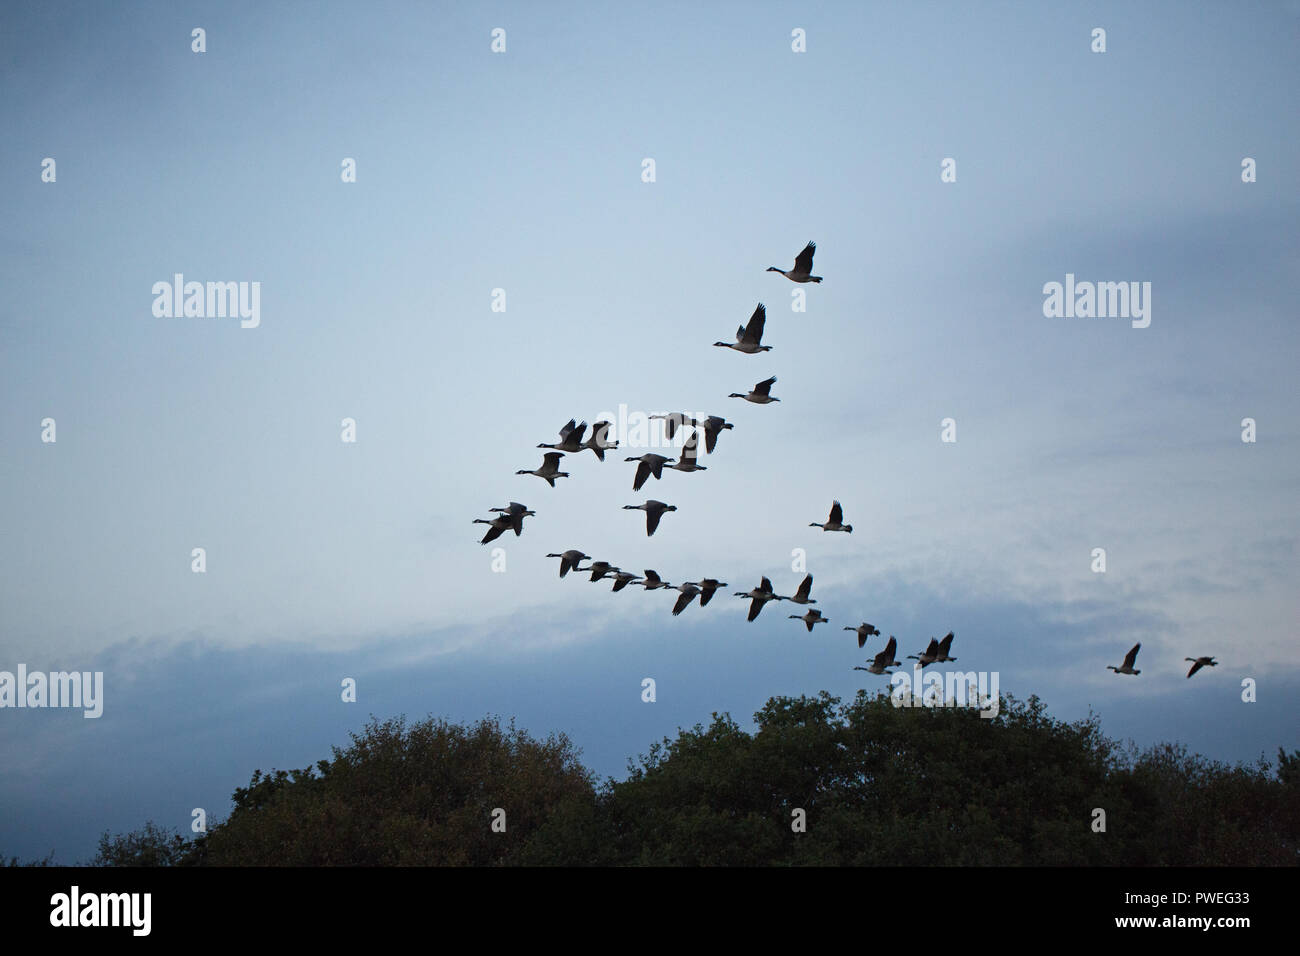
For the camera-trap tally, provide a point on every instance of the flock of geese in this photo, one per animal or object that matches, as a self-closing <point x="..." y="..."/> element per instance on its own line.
<point x="749" y="342"/>
<point x="1131" y="658"/>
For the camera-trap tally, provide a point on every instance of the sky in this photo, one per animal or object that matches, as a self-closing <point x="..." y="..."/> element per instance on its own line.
<point x="523" y="171"/>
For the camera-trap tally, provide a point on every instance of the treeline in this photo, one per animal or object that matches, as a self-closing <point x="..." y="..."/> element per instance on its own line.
<point x="819" y="782"/>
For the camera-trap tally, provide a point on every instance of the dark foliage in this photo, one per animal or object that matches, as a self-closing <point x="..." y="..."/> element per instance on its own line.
<point x="876" y="784"/>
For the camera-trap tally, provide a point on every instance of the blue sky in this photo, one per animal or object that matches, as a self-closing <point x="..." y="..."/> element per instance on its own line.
<point x="522" y="171"/>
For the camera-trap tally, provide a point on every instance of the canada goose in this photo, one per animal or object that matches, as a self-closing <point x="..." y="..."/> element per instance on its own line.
<point x="1199" y="663"/>
<point x="802" y="271"/>
<point x="929" y="655"/>
<point x="864" y="631"/>
<point x="673" y="421"/>
<point x="600" y="569"/>
<point x="653" y="582"/>
<point x="569" y="560"/>
<point x="760" y="395"/>
<point x="801" y="595"/>
<point x="499" y="525"/>
<point x="622" y="579"/>
<point x="707" y="587"/>
<point x="689" y="590"/>
<point x="516" y="513"/>
<point x="599" y="441"/>
<point x="748" y="336"/>
<point x="651" y="464"/>
<point x="570" y="437"/>
<point x="550" y="468"/>
<point x="814" y="616"/>
<point x="1129" y="658"/>
<point x="836" y="520"/>
<point x="713" y="426"/>
<point x="690" y="455"/>
<point x="884" y="659"/>
<point x="759" y="596"/>
<point x="944" y="646"/>
<point x="654" y="510"/>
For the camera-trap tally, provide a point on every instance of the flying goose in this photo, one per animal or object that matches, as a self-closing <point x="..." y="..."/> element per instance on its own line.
<point x="929" y="655"/>
<point x="499" y="524"/>
<point x="802" y="271"/>
<point x="748" y="336"/>
<point x="884" y="659"/>
<point x="673" y="421"/>
<point x="570" y="437"/>
<point x="864" y="631"/>
<point x="622" y="579"/>
<point x="944" y="646"/>
<point x="600" y="569"/>
<point x="654" y="510"/>
<point x="760" y="395"/>
<point x="707" y="587"/>
<point x="801" y="595"/>
<point x="690" y="455"/>
<point x="569" y="560"/>
<point x="599" y="441"/>
<point x="653" y="582"/>
<point x="651" y="464"/>
<point x="813" y="616"/>
<point x="550" y="468"/>
<point x="836" y="520"/>
<point x="516" y="513"/>
<point x="1200" y="662"/>
<point x="689" y="590"/>
<point x="759" y="596"/>
<point x="713" y="427"/>
<point x="1129" y="658"/>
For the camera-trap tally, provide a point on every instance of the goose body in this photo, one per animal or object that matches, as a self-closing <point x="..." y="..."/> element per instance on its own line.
<point x="944" y="646"/>
<point x="622" y="579"/>
<point x="654" y="510"/>
<point x="600" y="569"/>
<point x="813" y="616"/>
<point x="801" y="595"/>
<point x="689" y="457"/>
<point x="499" y="524"/>
<point x="1199" y="662"/>
<point x="1129" y="659"/>
<point x="749" y="336"/>
<point x="570" y="438"/>
<point x="761" y="394"/>
<point x="653" y="582"/>
<point x="650" y="464"/>
<point x="929" y="655"/>
<point x="884" y="659"/>
<point x="689" y="590"/>
<point x="707" y="588"/>
<point x="758" y="597"/>
<point x="549" y="469"/>
<point x="864" y="631"/>
<point x="516" y="514"/>
<point x="835" y="522"/>
<point x="713" y="427"/>
<point x="599" y="441"/>
<point x="802" y="271"/>
<point x="673" y="421"/>
<point x="569" y="560"/>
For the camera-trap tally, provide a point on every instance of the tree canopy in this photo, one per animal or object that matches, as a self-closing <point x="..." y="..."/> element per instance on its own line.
<point x="817" y="782"/>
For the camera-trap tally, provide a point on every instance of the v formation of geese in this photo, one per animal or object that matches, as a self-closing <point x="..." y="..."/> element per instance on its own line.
<point x="749" y="341"/>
